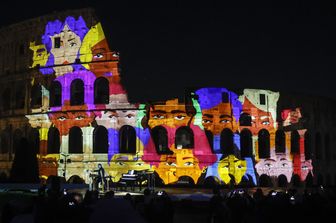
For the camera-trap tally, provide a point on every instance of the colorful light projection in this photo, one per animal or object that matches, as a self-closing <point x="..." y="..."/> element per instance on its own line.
<point x="220" y="111"/>
<point x="188" y="159"/>
<point x="192" y="145"/>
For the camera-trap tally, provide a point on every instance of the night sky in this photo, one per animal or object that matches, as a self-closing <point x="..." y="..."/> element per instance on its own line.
<point x="168" y="48"/>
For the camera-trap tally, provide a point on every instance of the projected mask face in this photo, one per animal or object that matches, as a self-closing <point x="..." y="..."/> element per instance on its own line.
<point x="100" y="64"/>
<point x="218" y="118"/>
<point x="181" y="163"/>
<point x="231" y="165"/>
<point x="271" y="167"/>
<point x="65" y="49"/>
<point x="306" y="168"/>
<point x="117" y="118"/>
<point x="40" y="54"/>
<point x="262" y="119"/>
<point x="172" y="116"/>
<point x="122" y="163"/>
<point x="63" y="121"/>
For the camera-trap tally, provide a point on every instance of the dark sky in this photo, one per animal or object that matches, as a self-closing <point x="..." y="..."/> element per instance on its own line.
<point x="167" y="48"/>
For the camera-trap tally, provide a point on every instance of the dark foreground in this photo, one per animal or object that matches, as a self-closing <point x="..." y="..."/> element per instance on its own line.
<point x="176" y="205"/>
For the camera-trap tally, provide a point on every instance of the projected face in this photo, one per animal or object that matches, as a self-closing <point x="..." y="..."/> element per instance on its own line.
<point x="231" y="165"/>
<point x="306" y="168"/>
<point x="171" y="115"/>
<point x="117" y="118"/>
<point x="181" y="163"/>
<point x="63" y="121"/>
<point x="218" y="118"/>
<point x="100" y="56"/>
<point x="40" y="55"/>
<point x="271" y="167"/>
<point x="121" y="164"/>
<point x="291" y="117"/>
<point x="260" y="119"/>
<point x="39" y="121"/>
<point x="65" y="49"/>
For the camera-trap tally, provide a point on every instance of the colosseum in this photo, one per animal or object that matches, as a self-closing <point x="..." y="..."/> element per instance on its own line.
<point x="63" y="111"/>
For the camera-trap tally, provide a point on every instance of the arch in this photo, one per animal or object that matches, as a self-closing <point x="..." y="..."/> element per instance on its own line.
<point x="296" y="181"/>
<point x="246" y="181"/>
<point x="101" y="91"/>
<point x="295" y="142"/>
<point x="282" y="181"/>
<point x="245" y="120"/>
<point x="6" y="94"/>
<point x="280" y="141"/>
<point x="263" y="144"/>
<point x="75" y="179"/>
<point x="127" y="139"/>
<point x="100" y="140"/>
<point x="185" y="180"/>
<point x="77" y="92"/>
<point x="309" y="180"/>
<point x="210" y="138"/>
<point x="226" y="141"/>
<point x="53" y="143"/>
<point x="17" y="137"/>
<point x="20" y="95"/>
<point x="327" y="154"/>
<point x="307" y="146"/>
<point x="36" y="96"/>
<point x="4" y="143"/>
<point x="211" y="181"/>
<point x="184" y="137"/>
<point x="246" y="149"/>
<point x="265" y="181"/>
<point x="34" y="139"/>
<point x="318" y="142"/>
<point x="160" y="138"/>
<point x="75" y="140"/>
<point x="320" y="180"/>
<point x="55" y="94"/>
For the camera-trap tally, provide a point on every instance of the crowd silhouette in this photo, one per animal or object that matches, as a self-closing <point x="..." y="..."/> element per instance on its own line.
<point x="53" y="205"/>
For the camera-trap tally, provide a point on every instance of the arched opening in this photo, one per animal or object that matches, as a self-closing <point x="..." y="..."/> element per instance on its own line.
<point x="295" y="142"/>
<point x="309" y="180"/>
<point x="55" y="94"/>
<point x="186" y="180"/>
<point x="36" y="96"/>
<point x="6" y="102"/>
<point x="100" y="140"/>
<point x="264" y="144"/>
<point x="296" y="181"/>
<point x="160" y="138"/>
<point x="307" y="145"/>
<point x="320" y="180"/>
<point x="245" y="120"/>
<point x="280" y="141"/>
<point x="210" y="137"/>
<point x="265" y="181"/>
<point x="75" y="140"/>
<point x="184" y="137"/>
<point x="4" y="143"/>
<point x="327" y="154"/>
<point x="101" y="91"/>
<point x="226" y="141"/>
<point x="246" y="181"/>
<point x="246" y="143"/>
<point x="75" y="179"/>
<point x="77" y="92"/>
<point x="20" y="96"/>
<point x="282" y="181"/>
<point x="127" y="139"/>
<point x="53" y="141"/>
<point x="211" y="181"/>
<point x="34" y="139"/>
<point x="318" y="146"/>
<point x="17" y="137"/>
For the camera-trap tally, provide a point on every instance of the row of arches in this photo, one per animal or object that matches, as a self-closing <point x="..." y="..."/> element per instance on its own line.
<point x="101" y="94"/>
